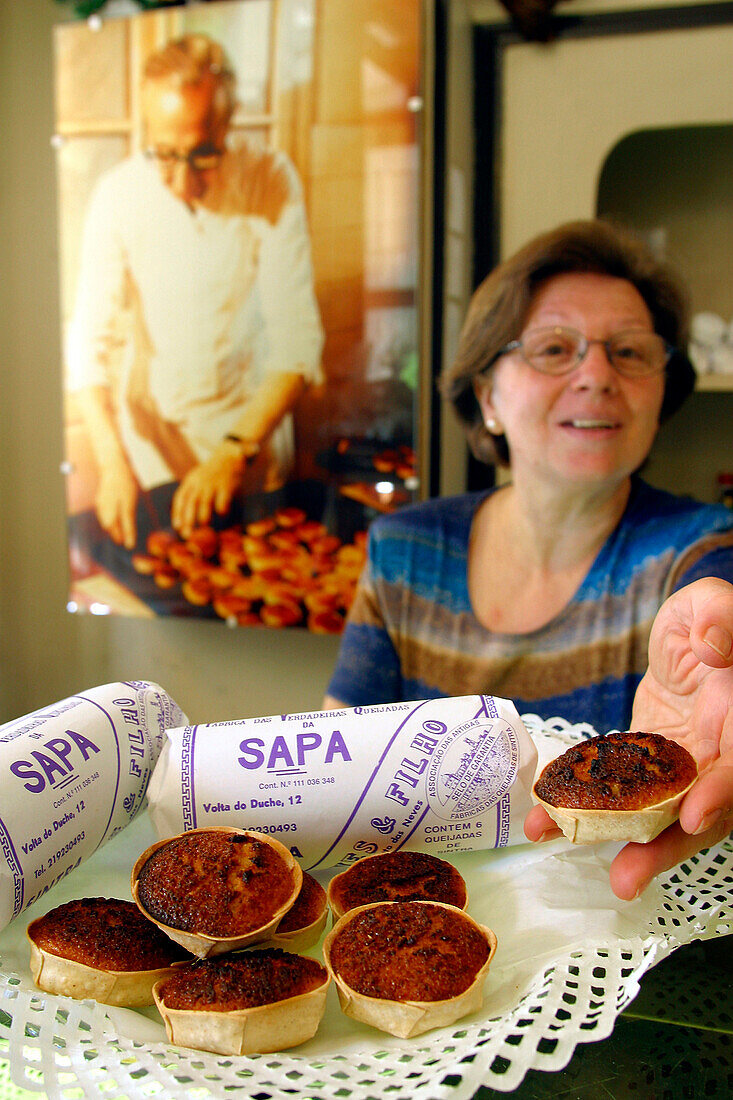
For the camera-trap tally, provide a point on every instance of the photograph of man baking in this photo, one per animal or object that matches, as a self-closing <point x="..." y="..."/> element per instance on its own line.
<point x="240" y="396"/>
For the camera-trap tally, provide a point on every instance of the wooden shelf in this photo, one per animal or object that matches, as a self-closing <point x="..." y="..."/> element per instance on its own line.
<point x="714" y="383"/>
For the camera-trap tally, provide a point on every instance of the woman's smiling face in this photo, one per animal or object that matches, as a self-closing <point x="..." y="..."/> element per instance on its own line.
<point x="591" y="424"/>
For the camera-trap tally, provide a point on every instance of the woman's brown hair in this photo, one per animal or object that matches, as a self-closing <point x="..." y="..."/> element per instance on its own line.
<point x="500" y="305"/>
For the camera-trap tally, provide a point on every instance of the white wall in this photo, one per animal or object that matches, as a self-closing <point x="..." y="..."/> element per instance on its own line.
<point x="46" y="653"/>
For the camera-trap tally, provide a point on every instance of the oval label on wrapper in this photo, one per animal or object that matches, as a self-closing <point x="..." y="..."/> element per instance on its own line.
<point x="472" y="769"/>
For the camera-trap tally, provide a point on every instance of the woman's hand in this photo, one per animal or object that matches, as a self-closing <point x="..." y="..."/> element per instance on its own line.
<point x="686" y="695"/>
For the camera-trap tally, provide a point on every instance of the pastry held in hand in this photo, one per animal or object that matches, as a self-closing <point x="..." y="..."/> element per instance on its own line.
<point x="406" y="967"/>
<point x="217" y="889"/>
<point x="626" y="786"/>
<point x="100" y="948"/>
<point x="250" y="1002"/>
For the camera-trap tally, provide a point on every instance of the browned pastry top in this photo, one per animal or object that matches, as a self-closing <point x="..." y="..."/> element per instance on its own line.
<point x="104" y="933"/>
<point x="409" y="951"/>
<point x="399" y="876"/>
<point x="309" y="905"/>
<point x="621" y="771"/>
<point x="218" y="883"/>
<point x="241" y="980"/>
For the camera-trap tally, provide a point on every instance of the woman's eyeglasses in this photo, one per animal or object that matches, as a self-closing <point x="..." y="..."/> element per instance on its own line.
<point x="559" y="350"/>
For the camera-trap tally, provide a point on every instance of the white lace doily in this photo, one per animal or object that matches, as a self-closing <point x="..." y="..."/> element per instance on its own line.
<point x="568" y="970"/>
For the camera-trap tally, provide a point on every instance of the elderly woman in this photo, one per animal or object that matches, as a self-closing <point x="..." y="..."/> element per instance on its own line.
<point x="545" y="590"/>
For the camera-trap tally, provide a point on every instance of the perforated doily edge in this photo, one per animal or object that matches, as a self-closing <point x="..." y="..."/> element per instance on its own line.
<point x="277" y="1075"/>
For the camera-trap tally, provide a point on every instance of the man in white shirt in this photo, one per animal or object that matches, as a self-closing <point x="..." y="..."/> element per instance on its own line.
<point x="196" y="327"/>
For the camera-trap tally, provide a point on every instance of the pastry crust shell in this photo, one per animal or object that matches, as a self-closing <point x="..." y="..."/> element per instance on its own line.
<point x="406" y="1019"/>
<point x="123" y="988"/>
<point x="591" y="826"/>
<point x="205" y="944"/>
<point x="259" y="1030"/>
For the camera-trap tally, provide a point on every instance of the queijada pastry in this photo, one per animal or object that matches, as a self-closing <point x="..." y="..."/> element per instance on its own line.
<point x="302" y="925"/>
<point x="624" y="786"/>
<point x="408" y="966"/>
<point x="216" y="889"/>
<point x="100" y="948"/>
<point x="397" y="876"/>
<point x="247" y="1002"/>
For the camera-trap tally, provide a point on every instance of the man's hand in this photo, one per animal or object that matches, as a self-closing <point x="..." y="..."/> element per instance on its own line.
<point x="686" y="695"/>
<point x="209" y="487"/>
<point x="117" y="490"/>
<point x="116" y="501"/>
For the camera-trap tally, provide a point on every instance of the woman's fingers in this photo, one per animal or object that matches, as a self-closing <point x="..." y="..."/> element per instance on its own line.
<point x="710" y="800"/>
<point x="538" y="825"/>
<point x="637" y="864"/>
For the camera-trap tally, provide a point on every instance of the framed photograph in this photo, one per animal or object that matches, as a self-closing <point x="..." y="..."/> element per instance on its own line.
<point x="239" y="216"/>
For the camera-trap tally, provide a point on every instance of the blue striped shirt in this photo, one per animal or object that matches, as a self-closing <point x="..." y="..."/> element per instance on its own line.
<point x="412" y="633"/>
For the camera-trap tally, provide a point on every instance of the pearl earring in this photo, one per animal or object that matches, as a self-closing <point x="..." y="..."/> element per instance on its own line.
<point x="493" y="425"/>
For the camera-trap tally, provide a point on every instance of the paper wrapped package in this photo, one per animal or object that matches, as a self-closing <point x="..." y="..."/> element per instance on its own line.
<point x="441" y="775"/>
<point x="73" y="775"/>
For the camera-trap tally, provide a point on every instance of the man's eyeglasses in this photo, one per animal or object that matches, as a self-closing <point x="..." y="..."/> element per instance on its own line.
<point x="559" y="350"/>
<point x="201" y="159"/>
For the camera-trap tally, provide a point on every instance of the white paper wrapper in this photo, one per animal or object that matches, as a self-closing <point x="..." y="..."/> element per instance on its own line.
<point x="443" y="776"/>
<point x="73" y="775"/>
